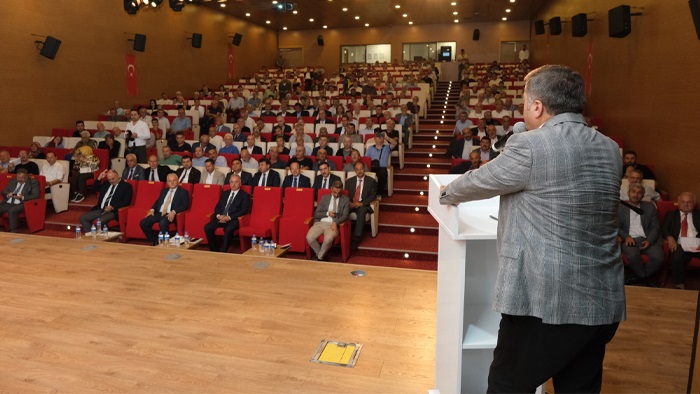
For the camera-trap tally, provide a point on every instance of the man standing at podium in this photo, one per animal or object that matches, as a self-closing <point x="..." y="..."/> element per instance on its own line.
<point x="560" y="284"/>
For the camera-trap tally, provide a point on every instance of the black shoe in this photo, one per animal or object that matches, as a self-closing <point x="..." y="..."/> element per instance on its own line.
<point x="652" y="282"/>
<point x="354" y="244"/>
<point x="79" y="198"/>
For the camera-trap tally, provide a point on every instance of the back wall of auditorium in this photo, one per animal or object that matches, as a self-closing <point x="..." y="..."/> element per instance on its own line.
<point x="642" y="86"/>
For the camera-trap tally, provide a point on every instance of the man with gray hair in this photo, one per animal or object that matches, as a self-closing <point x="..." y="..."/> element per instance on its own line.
<point x="560" y="284"/>
<point x="114" y="194"/>
<point x="18" y="190"/>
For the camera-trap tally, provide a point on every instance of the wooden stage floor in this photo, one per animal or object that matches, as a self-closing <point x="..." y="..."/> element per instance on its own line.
<point x="74" y="318"/>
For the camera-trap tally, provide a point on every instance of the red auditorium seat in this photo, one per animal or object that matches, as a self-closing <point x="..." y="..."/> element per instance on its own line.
<point x="343" y="239"/>
<point x="204" y="199"/>
<point x="264" y="218"/>
<point x="129" y="218"/>
<point x="34" y="210"/>
<point x="297" y="217"/>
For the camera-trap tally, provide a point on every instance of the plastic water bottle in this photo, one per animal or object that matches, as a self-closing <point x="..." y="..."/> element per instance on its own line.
<point x="105" y="230"/>
<point x="187" y="238"/>
<point x="166" y="238"/>
<point x="261" y="246"/>
<point x="254" y="242"/>
<point x="271" y="250"/>
<point x="78" y="234"/>
<point x="93" y="231"/>
<point x="160" y="238"/>
<point x="99" y="225"/>
<point x="177" y="239"/>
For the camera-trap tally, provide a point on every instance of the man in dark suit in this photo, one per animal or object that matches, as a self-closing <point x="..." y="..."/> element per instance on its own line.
<point x="640" y="234"/>
<point x="156" y="172"/>
<point x="457" y="148"/>
<point x="322" y="144"/>
<point x="172" y="200"/>
<point x="485" y="152"/>
<point x="187" y="173"/>
<point x="114" y="194"/>
<point x="18" y="190"/>
<point x="323" y="119"/>
<point x="285" y="127"/>
<point x="362" y="190"/>
<point x="332" y="211"/>
<point x="237" y="169"/>
<point x="681" y="223"/>
<point x="251" y="147"/>
<point x="299" y="112"/>
<point x="296" y="179"/>
<point x="264" y="176"/>
<point x="133" y="171"/>
<point x="324" y="179"/>
<point x="233" y="204"/>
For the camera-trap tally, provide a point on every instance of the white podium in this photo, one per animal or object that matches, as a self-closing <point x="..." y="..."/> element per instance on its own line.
<point x="467" y="326"/>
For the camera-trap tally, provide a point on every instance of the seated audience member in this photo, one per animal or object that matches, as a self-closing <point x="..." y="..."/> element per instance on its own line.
<point x="155" y="171"/>
<point x="36" y="151"/>
<point x="481" y="128"/>
<point x="204" y="143"/>
<point x="413" y="106"/>
<point x="114" y="194"/>
<point x="237" y="169"/>
<point x="321" y="158"/>
<point x="461" y="148"/>
<point x="640" y="235"/>
<point x="133" y="171"/>
<point x="379" y="154"/>
<point x="299" y="141"/>
<point x="630" y="163"/>
<point x="332" y="211"/>
<point x="300" y="157"/>
<point x="215" y="139"/>
<point x="636" y="177"/>
<point x="362" y="191"/>
<point x="323" y="119"/>
<point x="101" y="132"/>
<point x="462" y="123"/>
<point x="295" y="178"/>
<point x="473" y="163"/>
<point x="56" y="142"/>
<point x="264" y="176"/>
<point x="171" y="201"/>
<point x="285" y="127"/>
<point x="85" y="140"/>
<point x="275" y="162"/>
<point x="323" y="132"/>
<point x="322" y="144"/>
<point x="280" y="147"/>
<point x="247" y="161"/>
<point x="228" y="146"/>
<point x="478" y="111"/>
<point x="187" y="173"/>
<point x="157" y="133"/>
<point x="84" y="165"/>
<point x="682" y="223"/>
<point x="485" y="151"/>
<point x="237" y="133"/>
<point x="263" y="128"/>
<point x="354" y="159"/>
<point x="251" y="147"/>
<point x="350" y="132"/>
<point x="219" y="161"/>
<point x="179" y="145"/>
<point x="343" y="126"/>
<point x="79" y="128"/>
<point x="169" y="159"/>
<point x="18" y="190"/>
<point x="391" y="135"/>
<point x="182" y="122"/>
<point x="404" y="118"/>
<point x="505" y="126"/>
<point x="346" y="148"/>
<point x="163" y="121"/>
<point x="325" y="178"/>
<point x="232" y="204"/>
<point x="299" y="132"/>
<point x="492" y="133"/>
<point x="111" y="145"/>
<point x="6" y="164"/>
<point x="52" y="171"/>
<point x="368" y="127"/>
<point x="211" y="176"/>
<point x="199" y="157"/>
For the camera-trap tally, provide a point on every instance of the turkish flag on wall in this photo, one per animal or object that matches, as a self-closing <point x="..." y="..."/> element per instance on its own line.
<point x="132" y="85"/>
<point x="231" y="67"/>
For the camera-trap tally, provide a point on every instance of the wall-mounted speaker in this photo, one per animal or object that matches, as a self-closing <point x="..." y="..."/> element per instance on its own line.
<point x="237" y="39"/>
<point x="695" y="12"/>
<point x="555" y="26"/>
<point x="196" y="40"/>
<point x="619" y="21"/>
<point x="319" y="39"/>
<point x="579" y="25"/>
<point x="140" y="42"/>
<point x="50" y="47"/>
<point x="476" y="35"/>
<point x="539" y="27"/>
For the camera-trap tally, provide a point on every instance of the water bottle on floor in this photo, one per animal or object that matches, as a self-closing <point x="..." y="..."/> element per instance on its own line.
<point x="99" y="225"/>
<point x="78" y="234"/>
<point x="93" y="231"/>
<point x="187" y="238"/>
<point x="161" y="237"/>
<point x="254" y="242"/>
<point x="166" y="239"/>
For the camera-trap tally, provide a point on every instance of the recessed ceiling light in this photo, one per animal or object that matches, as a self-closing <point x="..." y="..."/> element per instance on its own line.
<point x="274" y="1"/>
<point x="284" y="28"/>
<point x="397" y="6"/>
<point x="456" y="20"/>
<point x="455" y="13"/>
<point x="295" y="12"/>
<point x="453" y="3"/>
<point x="223" y="5"/>
<point x="247" y="14"/>
<point x="512" y="1"/>
<point x="345" y="8"/>
<point x="507" y="9"/>
<point x="268" y="22"/>
<point x="405" y="15"/>
<point x="504" y="19"/>
<point x="357" y="17"/>
<point x="410" y="22"/>
<point x="366" y="24"/>
<point x="311" y="19"/>
<point x="325" y="26"/>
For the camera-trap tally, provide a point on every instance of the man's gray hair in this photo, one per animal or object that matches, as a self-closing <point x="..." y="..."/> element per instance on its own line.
<point x="559" y="88"/>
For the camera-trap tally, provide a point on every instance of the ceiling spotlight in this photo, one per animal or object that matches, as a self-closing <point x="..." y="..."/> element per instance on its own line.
<point x="247" y="14"/>
<point x="345" y="8"/>
<point x="325" y="26"/>
<point x="311" y="19"/>
<point x="366" y="24"/>
<point x="268" y="22"/>
<point x="455" y="13"/>
<point x="456" y="20"/>
<point x="397" y="6"/>
<point x="504" y="19"/>
<point x="284" y="28"/>
<point x="223" y="5"/>
<point x="274" y="1"/>
<point x="410" y="22"/>
<point x="295" y="12"/>
<point x="512" y="1"/>
<point x="357" y="17"/>
<point x="507" y="9"/>
<point x="405" y="15"/>
<point x="453" y="3"/>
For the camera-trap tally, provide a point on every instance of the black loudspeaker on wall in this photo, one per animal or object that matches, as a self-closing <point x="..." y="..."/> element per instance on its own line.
<point x="319" y="39"/>
<point x="476" y="35"/>
<point x="539" y="27"/>
<point x="579" y="25"/>
<point x="619" y="21"/>
<point x="140" y="42"/>
<point x="196" y="40"/>
<point x="555" y="26"/>
<point x="50" y="47"/>
<point x="237" y="39"/>
<point x="695" y="11"/>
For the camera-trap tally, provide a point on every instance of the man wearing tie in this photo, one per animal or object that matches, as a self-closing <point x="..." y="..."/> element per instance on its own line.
<point x="682" y="223"/>
<point x="187" y="173"/>
<point x="171" y="201"/>
<point x="232" y="205"/>
<point x="156" y="172"/>
<point x="363" y="190"/>
<point x="265" y="177"/>
<point x="296" y="179"/>
<point x="114" y="194"/>
<point x="237" y="169"/>
<point x="18" y="190"/>
<point x="133" y="171"/>
<point x="325" y="179"/>
<point x="332" y="211"/>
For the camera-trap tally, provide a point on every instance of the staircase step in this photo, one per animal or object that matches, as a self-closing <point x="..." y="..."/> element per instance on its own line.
<point x="402" y="243"/>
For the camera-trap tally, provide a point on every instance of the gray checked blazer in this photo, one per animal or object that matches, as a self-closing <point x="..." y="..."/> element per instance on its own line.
<point x="557" y="225"/>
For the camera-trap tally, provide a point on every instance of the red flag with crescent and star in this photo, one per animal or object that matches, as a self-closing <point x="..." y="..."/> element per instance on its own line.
<point x="132" y="85"/>
<point x="231" y="67"/>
